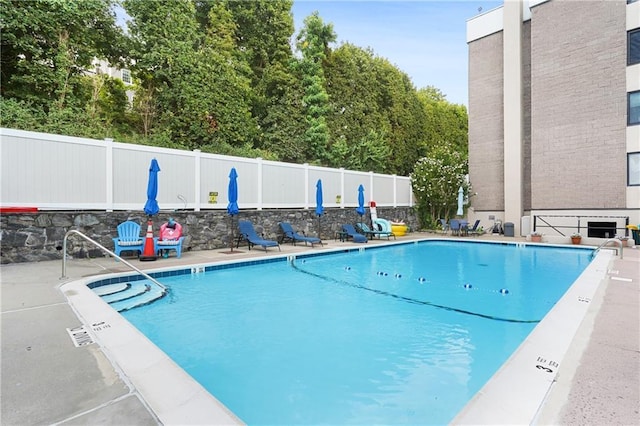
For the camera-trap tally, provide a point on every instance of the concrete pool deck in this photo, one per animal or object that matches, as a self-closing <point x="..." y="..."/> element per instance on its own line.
<point x="46" y="379"/>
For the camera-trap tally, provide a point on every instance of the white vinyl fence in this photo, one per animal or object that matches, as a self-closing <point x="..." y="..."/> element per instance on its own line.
<point x="54" y="172"/>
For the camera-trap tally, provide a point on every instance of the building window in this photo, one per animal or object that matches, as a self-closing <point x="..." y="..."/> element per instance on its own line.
<point x="633" y="47"/>
<point x="126" y="76"/>
<point x="633" y="108"/>
<point x="631" y="1"/>
<point x="633" y="169"/>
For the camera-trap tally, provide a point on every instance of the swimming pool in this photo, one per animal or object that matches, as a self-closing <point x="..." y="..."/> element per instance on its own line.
<point x="369" y="338"/>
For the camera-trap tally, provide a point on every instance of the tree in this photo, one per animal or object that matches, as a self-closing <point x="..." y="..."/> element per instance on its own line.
<point x="219" y="76"/>
<point x="370" y="153"/>
<point x="108" y="102"/>
<point x="164" y="38"/>
<point x="226" y="83"/>
<point x="444" y="120"/>
<point x="352" y="84"/>
<point x="198" y="83"/>
<point x="47" y="45"/>
<point x="405" y="115"/>
<point x="280" y="114"/>
<point x="369" y="96"/>
<point x="313" y="41"/>
<point x="264" y="30"/>
<point x="144" y="102"/>
<point x="435" y="181"/>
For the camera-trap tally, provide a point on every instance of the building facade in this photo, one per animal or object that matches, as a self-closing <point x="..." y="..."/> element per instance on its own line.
<point x="102" y="67"/>
<point x="554" y="116"/>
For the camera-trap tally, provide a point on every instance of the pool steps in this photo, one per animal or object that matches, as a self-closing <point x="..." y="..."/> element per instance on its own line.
<point x="125" y="296"/>
<point x="106" y="290"/>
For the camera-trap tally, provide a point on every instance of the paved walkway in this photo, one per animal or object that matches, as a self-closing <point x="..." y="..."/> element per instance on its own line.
<point x="47" y="380"/>
<point x="599" y="381"/>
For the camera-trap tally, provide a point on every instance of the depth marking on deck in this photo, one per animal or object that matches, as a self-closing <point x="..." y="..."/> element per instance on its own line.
<point x="545" y="365"/>
<point x="98" y="326"/>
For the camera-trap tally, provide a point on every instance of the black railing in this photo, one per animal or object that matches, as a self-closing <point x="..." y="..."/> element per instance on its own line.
<point x="591" y="224"/>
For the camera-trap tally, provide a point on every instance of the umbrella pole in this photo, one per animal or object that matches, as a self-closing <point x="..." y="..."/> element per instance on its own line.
<point x="231" y="219"/>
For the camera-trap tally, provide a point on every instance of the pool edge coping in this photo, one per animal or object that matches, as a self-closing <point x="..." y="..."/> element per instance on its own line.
<point x="517" y="392"/>
<point x="173" y="396"/>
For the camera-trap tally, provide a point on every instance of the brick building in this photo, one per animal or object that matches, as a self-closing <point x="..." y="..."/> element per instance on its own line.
<point x="554" y="116"/>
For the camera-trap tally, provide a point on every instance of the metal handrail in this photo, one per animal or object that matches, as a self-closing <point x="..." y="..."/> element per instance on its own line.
<point x="580" y="226"/>
<point x="103" y="248"/>
<point x="610" y="240"/>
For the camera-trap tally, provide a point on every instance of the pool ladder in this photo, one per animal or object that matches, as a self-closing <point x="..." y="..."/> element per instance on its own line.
<point x="610" y="240"/>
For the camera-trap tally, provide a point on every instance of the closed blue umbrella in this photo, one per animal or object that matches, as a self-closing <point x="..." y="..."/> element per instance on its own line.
<point x="232" y="207"/>
<point x="232" y="194"/>
<point x="360" y="208"/>
<point x="319" y="208"/>
<point x="151" y="206"/>
<point x="460" y="211"/>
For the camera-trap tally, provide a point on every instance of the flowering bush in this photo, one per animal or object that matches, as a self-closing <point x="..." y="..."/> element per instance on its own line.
<point x="435" y="181"/>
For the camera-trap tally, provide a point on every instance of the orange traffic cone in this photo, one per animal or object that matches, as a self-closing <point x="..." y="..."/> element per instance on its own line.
<point x="149" y="252"/>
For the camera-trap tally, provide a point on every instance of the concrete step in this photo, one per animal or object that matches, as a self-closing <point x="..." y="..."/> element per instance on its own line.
<point x="106" y="290"/>
<point x="134" y="289"/>
<point x="147" y="293"/>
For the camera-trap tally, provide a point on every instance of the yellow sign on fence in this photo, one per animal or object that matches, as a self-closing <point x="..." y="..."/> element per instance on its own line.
<point x="213" y="197"/>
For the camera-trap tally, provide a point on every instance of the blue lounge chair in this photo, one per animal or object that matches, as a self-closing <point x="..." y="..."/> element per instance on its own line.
<point x="290" y="235"/>
<point x="249" y="234"/>
<point x="474" y="229"/>
<point x="128" y="238"/>
<point x="353" y="234"/>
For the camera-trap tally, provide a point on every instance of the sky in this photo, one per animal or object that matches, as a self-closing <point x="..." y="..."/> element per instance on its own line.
<point x="424" y="39"/>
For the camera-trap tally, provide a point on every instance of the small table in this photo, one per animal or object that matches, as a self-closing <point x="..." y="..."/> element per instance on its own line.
<point x="341" y="235"/>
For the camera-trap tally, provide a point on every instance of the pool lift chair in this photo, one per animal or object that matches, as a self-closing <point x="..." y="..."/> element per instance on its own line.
<point x="248" y="234"/>
<point x="384" y="225"/>
<point x="372" y="233"/>
<point x="288" y="234"/>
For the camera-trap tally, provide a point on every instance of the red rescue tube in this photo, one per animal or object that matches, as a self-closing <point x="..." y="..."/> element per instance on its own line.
<point x="18" y="209"/>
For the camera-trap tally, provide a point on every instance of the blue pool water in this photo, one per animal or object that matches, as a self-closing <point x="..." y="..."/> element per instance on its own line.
<point x="405" y="334"/>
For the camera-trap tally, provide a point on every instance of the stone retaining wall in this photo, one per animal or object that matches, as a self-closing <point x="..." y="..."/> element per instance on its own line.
<point x="33" y="237"/>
